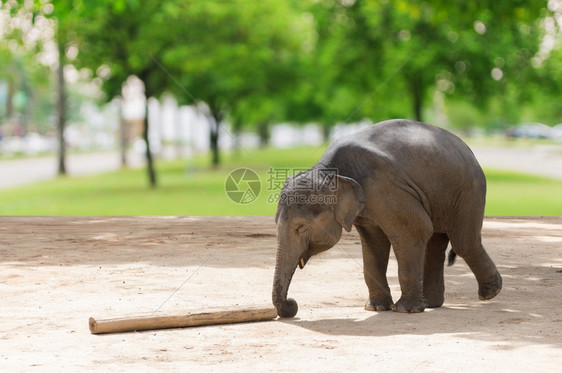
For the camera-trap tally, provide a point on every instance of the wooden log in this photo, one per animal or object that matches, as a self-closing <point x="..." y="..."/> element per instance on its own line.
<point x="212" y="317"/>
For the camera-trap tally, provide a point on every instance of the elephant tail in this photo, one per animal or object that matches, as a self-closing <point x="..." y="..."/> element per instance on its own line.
<point x="451" y="258"/>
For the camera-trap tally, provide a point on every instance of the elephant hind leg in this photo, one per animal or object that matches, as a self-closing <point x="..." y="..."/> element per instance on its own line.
<point x="433" y="282"/>
<point x="479" y="262"/>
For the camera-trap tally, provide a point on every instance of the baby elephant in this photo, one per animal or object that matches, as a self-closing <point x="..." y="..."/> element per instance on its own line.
<point x="401" y="183"/>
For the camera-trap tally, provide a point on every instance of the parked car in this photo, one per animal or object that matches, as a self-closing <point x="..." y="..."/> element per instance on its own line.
<point x="557" y="132"/>
<point x="531" y="131"/>
<point x="30" y="144"/>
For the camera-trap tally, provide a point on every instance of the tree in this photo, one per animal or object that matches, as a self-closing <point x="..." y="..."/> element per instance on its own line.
<point x="545" y="105"/>
<point x="548" y="62"/>
<point x="119" y="35"/>
<point x="23" y="77"/>
<point x="61" y="39"/>
<point x="472" y="50"/>
<point x="233" y="54"/>
<point x="66" y="17"/>
<point x="386" y="58"/>
<point x="338" y="69"/>
<point x="122" y="39"/>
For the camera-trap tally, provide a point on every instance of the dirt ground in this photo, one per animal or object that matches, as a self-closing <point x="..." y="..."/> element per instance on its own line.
<point x="56" y="272"/>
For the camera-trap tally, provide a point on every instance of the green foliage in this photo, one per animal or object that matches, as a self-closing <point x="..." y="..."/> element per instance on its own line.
<point x="383" y="59"/>
<point x="236" y="57"/>
<point x="454" y="46"/>
<point x="324" y="61"/>
<point x="463" y="116"/>
<point x="25" y="77"/>
<point x="199" y="190"/>
<point x="123" y="37"/>
<point x="546" y="107"/>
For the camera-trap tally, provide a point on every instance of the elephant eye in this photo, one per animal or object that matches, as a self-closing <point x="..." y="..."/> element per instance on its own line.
<point x="301" y="228"/>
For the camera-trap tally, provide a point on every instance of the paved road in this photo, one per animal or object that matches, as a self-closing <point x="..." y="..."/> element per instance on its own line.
<point x="543" y="160"/>
<point x="18" y="172"/>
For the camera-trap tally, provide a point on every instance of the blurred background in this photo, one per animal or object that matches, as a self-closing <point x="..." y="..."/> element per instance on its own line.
<point x="133" y="107"/>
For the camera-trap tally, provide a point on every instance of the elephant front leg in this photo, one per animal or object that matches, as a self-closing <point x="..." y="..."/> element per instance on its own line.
<point x="376" y="250"/>
<point x="433" y="282"/>
<point x="410" y="258"/>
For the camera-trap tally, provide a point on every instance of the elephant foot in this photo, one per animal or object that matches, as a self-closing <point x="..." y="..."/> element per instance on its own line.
<point x="434" y="300"/>
<point x="377" y="304"/>
<point x="489" y="290"/>
<point x="409" y="305"/>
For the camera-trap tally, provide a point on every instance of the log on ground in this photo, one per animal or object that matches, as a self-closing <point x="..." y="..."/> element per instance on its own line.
<point x="212" y="317"/>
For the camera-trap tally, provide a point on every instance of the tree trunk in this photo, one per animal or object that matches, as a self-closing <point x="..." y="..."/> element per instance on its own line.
<point x="263" y="132"/>
<point x="145" y="136"/>
<point x="326" y="131"/>
<point x="10" y="99"/>
<point x="61" y="107"/>
<point x="416" y="86"/>
<point x="237" y="132"/>
<point x="215" y="156"/>
<point x="148" y="153"/>
<point x="215" y="119"/>
<point x="418" y="104"/>
<point x="123" y="134"/>
<point x="179" y="133"/>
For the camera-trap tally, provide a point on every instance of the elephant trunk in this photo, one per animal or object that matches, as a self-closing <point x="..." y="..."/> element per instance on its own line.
<point x="284" y="270"/>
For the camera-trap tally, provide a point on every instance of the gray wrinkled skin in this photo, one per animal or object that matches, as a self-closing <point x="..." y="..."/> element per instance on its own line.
<point x="401" y="183"/>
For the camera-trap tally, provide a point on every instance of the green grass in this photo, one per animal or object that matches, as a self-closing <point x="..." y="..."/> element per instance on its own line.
<point x="185" y="188"/>
<point x="501" y="141"/>
<point x="512" y="193"/>
<point x="196" y="189"/>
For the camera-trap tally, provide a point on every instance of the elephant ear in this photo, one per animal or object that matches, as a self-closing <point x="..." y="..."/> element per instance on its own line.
<point x="350" y="201"/>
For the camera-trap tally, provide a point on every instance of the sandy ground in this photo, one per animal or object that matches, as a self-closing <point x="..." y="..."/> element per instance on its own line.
<point x="56" y="272"/>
